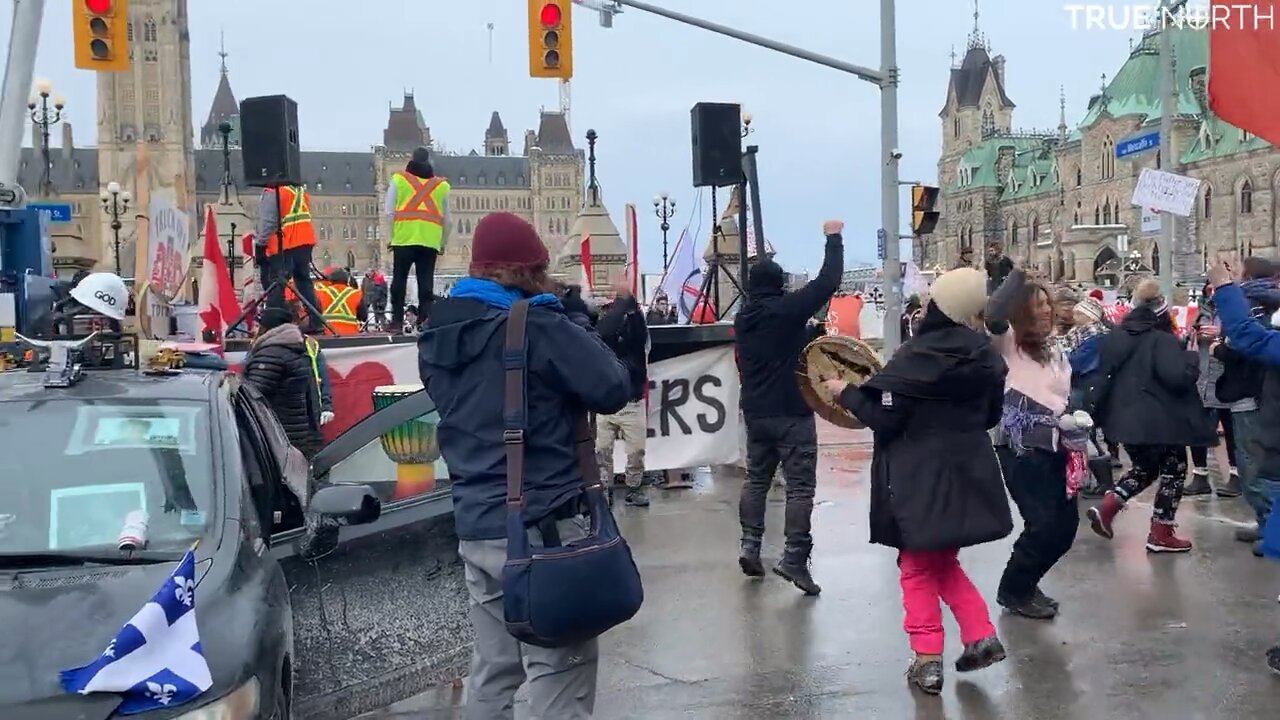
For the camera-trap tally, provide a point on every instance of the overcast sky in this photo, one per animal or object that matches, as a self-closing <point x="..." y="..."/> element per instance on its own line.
<point x="818" y="129"/>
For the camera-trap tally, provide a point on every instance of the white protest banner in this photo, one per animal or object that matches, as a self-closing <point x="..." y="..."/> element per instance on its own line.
<point x="693" y="413"/>
<point x="168" y="252"/>
<point x="1166" y="192"/>
<point x="1150" y="221"/>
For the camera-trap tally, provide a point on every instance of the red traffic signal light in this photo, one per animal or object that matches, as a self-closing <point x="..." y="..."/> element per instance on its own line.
<point x="550" y="15"/>
<point x="98" y="7"/>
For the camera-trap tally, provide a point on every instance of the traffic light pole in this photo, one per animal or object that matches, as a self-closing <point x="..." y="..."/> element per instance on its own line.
<point x="886" y="78"/>
<point x="19" y="68"/>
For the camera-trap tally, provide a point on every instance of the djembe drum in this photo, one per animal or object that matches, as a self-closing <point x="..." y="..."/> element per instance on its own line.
<point x="412" y="446"/>
<point x="838" y="356"/>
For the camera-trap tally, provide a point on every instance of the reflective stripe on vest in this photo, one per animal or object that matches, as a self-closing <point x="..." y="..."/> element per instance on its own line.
<point x="340" y="308"/>
<point x="313" y="349"/>
<point x="419" y="216"/>
<point x="296" y="229"/>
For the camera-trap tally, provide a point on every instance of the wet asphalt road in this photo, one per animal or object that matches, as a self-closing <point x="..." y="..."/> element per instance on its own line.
<point x="1140" y="636"/>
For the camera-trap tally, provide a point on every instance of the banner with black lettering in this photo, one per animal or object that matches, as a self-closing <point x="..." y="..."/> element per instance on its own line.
<point x="693" y="413"/>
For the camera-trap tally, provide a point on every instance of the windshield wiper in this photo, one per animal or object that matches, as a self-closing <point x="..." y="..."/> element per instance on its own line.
<point x="10" y="560"/>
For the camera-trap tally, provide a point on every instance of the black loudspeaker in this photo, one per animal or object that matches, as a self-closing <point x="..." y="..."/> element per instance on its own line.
<point x="717" y="144"/>
<point x="269" y="141"/>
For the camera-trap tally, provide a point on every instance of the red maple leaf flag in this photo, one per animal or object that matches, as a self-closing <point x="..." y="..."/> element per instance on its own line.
<point x="1244" y="66"/>
<point x="584" y="253"/>
<point x="217" y="304"/>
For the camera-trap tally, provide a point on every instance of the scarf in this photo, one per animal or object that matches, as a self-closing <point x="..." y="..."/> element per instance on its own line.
<point x="1076" y="336"/>
<point x="497" y="296"/>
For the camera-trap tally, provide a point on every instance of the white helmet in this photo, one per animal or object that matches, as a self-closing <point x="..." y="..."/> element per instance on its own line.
<point x="103" y="293"/>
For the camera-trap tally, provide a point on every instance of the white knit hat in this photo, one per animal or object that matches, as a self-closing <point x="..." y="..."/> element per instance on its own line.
<point x="960" y="294"/>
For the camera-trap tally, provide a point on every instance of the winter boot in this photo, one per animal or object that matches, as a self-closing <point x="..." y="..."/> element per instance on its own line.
<point x="637" y="497"/>
<point x="795" y="569"/>
<point x="1162" y="540"/>
<point x="1102" y="515"/>
<point x="1033" y="607"/>
<point x="984" y="653"/>
<point x="926" y="673"/>
<point x="1040" y="597"/>
<point x="1230" y="488"/>
<point x="1199" y="484"/>
<point x="749" y="559"/>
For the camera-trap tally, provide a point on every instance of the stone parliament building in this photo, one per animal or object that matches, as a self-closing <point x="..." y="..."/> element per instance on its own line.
<point x="1060" y="198"/>
<point x="146" y="142"/>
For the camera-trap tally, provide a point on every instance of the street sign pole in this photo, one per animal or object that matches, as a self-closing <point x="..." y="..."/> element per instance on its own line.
<point x="21" y="66"/>
<point x="1168" y="153"/>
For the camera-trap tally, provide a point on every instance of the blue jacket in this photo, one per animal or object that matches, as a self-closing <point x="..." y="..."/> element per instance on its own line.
<point x="1243" y="332"/>
<point x="1084" y="358"/>
<point x="569" y="369"/>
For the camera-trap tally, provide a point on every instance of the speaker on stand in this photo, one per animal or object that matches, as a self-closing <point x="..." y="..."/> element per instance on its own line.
<point x="269" y="141"/>
<point x="717" y="162"/>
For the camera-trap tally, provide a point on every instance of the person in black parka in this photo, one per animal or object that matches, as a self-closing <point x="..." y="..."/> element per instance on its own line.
<point x="278" y="366"/>
<point x="936" y="484"/>
<point x="1150" y="405"/>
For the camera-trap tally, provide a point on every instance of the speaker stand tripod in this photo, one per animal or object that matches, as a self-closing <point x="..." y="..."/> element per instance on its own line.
<point x="711" y="285"/>
<point x="280" y="280"/>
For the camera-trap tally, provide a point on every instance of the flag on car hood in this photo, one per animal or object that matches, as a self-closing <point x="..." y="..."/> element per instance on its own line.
<point x="155" y="661"/>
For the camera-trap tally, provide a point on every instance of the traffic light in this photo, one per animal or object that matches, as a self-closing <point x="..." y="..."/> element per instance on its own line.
<point x="551" y="39"/>
<point x="101" y="34"/>
<point x="923" y="217"/>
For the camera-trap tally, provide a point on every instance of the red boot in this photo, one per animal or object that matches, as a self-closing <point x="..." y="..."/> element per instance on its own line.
<point x="1102" y="515"/>
<point x="1162" y="540"/>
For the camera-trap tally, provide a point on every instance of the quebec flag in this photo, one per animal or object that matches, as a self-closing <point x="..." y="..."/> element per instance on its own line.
<point x="155" y="661"/>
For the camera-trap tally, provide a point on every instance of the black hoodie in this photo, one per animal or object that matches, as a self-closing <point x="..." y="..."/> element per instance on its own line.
<point x="935" y="479"/>
<point x="623" y="329"/>
<point x="1151" y="396"/>
<point x="772" y="329"/>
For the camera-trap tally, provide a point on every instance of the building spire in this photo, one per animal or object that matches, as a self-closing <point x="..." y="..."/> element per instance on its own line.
<point x="976" y="38"/>
<point x="222" y="49"/>
<point x="1062" y="113"/>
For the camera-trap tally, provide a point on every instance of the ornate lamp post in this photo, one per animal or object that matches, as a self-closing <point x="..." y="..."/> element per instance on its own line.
<point x="115" y="202"/>
<point x="224" y="129"/>
<point x="665" y="208"/>
<point x="44" y="118"/>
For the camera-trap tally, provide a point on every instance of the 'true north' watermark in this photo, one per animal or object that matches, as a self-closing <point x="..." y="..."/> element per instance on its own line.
<point x="1136" y="17"/>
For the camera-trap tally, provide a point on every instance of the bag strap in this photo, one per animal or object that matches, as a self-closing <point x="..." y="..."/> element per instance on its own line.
<point x="515" y="412"/>
<point x="514" y="416"/>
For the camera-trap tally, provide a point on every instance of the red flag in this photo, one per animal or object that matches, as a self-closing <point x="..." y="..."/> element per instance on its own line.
<point x="585" y="253"/>
<point x="1244" y="66"/>
<point x="633" y="249"/>
<point x="217" y="304"/>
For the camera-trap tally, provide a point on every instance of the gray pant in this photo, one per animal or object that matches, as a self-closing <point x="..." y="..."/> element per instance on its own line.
<point x="791" y="442"/>
<point x="562" y="681"/>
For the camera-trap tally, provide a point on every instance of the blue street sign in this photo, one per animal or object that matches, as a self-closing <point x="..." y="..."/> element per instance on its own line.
<point x="880" y="235"/>
<point x="57" y="212"/>
<point x="1137" y="144"/>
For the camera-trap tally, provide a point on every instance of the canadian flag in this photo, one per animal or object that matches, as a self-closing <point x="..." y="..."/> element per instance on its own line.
<point x="217" y="304"/>
<point x="585" y="253"/>
<point x="1244" y="66"/>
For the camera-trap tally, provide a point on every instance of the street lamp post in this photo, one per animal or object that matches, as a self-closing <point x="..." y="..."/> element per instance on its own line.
<point x="746" y="124"/>
<point x="231" y="254"/>
<point x="665" y="208"/>
<point x="44" y="118"/>
<point x="115" y="202"/>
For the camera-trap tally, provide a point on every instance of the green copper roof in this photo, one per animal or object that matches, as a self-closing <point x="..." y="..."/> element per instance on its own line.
<point x="1223" y="140"/>
<point x="1135" y="89"/>
<point x="1028" y="152"/>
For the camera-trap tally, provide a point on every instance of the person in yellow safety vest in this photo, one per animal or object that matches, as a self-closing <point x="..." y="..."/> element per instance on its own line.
<point x="320" y="368"/>
<point x="284" y="245"/>
<point x="417" y="203"/>
<point x="341" y="305"/>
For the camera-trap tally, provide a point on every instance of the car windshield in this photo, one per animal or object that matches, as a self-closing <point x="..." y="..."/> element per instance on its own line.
<point x="80" y="474"/>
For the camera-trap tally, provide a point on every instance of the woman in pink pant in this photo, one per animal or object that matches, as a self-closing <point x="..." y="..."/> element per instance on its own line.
<point x="935" y="481"/>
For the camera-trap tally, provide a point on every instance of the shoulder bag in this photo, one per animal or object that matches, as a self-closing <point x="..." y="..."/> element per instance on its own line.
<point x="561" y="595"/>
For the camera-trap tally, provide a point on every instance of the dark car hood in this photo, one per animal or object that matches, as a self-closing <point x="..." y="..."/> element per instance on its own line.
<point x="58" y="619"/>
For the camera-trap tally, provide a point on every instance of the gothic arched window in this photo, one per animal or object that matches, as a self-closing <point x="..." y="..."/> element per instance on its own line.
<point x="1106" y="213"/>
<point x="1208" y="201"/>
<point x="149" y="30"/>
<point x="351" y="259"/>
<point x="1108" y="158"/>
<point x="1097" y="215"/>
<point x="1079" y="177"/>
<point x="1246" y="198"/>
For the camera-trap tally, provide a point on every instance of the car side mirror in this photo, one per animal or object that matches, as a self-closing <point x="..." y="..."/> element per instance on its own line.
<point x="348" y="504"/>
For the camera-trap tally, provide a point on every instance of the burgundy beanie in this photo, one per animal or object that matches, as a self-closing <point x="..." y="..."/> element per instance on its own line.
<point x="506" y="239"/>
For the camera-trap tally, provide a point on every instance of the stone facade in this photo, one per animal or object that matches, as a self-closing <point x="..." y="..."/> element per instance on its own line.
<point x="146" y="142"/>
<point x="1060" y="198"/>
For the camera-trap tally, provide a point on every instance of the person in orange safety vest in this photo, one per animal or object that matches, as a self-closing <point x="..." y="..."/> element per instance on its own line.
<point x="285" y="241"/>
<point x="342" y="306"/>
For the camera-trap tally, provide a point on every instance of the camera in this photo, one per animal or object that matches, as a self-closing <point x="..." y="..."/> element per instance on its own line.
<point x="896" y="154"/>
